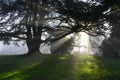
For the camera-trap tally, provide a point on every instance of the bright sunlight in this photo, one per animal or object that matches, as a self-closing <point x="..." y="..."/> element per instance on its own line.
<point x="81" y="43"/>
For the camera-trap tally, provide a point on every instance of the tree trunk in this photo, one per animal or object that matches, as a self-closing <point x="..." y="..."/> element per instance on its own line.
<point x="33" y="47"/>
<point x="33" y="31"/>
<point x="33" y="40"/>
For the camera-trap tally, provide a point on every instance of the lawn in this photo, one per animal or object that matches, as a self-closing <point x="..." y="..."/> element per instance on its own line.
<point x="59" y="67"/>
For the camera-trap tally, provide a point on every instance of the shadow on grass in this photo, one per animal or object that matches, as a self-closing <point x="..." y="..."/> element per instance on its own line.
<point x="59" y="67"/>
<point x="109" y="68"/>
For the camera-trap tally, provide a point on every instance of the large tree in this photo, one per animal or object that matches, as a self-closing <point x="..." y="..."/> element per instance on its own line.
<point x="23" y="20"/>
<point x="87" y="16"/>
<point x="95" y="17"/>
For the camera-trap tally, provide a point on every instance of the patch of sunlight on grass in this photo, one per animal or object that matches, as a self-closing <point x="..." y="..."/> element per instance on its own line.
<point x="9" y="74"/>
<point x="89" y="67"/>
<point x="13" y="75"/>
<point x="86" y="67"/>
<point x="63" y="57"/>
<point x="16" y="78"/>
<point x="17" y="74"/>
<point x="19" y="77"/>
<point x="30" y="66"/>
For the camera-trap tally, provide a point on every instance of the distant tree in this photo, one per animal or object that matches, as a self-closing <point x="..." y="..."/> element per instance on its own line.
<point x="111" y="46"/>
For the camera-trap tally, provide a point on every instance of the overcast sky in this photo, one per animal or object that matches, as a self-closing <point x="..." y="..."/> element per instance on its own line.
<point x="13" y="49"/>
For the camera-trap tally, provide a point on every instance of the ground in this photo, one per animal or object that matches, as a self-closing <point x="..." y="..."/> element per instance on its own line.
<point x="59" y="67"/>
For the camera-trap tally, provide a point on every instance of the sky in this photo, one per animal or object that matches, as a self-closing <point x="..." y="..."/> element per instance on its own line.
<point x="12" y="49"/>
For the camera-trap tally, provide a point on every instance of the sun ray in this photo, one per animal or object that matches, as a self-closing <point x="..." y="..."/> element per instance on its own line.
<point x="81" y="43"/>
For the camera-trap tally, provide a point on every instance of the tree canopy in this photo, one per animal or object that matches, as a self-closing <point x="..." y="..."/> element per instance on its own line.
<point x="30" y="20"/>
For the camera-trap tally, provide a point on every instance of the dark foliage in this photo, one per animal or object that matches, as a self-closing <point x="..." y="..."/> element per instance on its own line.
<point x="29" y="19"/>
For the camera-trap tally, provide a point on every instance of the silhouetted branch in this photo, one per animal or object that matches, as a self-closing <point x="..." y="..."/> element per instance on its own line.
<point x="57" y="38"/>
<point x="13" y="34"/>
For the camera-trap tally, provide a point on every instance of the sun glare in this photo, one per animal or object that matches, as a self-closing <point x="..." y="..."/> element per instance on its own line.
<point x="82" y="49"/>
<point x="81" y="43"/>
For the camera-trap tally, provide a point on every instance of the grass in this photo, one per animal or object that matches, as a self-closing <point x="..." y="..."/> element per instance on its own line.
<point x="59" y="67"/>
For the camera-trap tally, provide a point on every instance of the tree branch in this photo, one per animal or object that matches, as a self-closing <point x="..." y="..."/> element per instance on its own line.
<point x="55" y="39"/>
<point x="13" y="34"/>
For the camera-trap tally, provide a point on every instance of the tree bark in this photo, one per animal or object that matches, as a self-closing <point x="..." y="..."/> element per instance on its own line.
<point x="33" y="39"/>
<point x="33" y="46"/>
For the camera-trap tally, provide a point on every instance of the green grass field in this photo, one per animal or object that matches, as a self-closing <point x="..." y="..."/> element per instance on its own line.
<point x="59" y="67"/>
